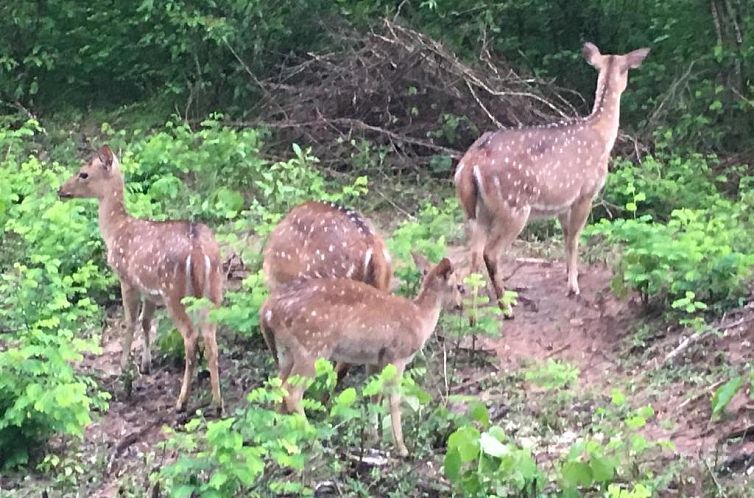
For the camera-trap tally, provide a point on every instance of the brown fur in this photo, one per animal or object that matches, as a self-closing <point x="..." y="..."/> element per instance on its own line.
<point x="508" y="176"/>
<point x="318" y="240"/>
<point x="156" y="262"/>
<point x="349" y="321"/>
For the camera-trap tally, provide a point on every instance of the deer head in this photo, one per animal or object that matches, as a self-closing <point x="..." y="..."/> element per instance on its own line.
<point x="442" y="280"/>
<point x="96" y="179"/>
<point x="613" y="67"/>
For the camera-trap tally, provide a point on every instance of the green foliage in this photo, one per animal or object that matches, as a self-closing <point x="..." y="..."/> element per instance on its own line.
<point x="486" y="462"/>
<point x="700" y="255"/>
<point x="233" y="453"/>
<point x="426" y="235"/>
<point x="45" y="303"/>
<point x="724" y="394"/>
<point x="259" y="450"/>
<point x="553" y="375"/>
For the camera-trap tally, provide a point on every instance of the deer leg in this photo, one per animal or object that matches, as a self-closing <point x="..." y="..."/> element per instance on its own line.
<point x="478" y="237"/>
<point x="564" y="222"/>
<point x="130" y="308"/>
<point x="147" y="313"/>
<point x="395" y="410"/>
<point x="507" y="227"/>
<point x="373" y="427"/>
<point x="303" y="368"/>
<point x="576" y="220"/>
<point x="183" y="323"/>
<point x="209" y="337"/>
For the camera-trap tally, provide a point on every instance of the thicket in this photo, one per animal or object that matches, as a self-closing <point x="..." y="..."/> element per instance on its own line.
<point x="225" y="55"/>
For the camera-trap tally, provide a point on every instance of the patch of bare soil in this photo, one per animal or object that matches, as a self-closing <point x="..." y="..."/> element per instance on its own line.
<point x="593" y="332"/>
<point x="582" y="330"/>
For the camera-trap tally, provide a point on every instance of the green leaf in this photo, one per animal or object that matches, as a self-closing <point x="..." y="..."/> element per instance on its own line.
<point x="182" y="491"/>
<point x="491" y="446"/>
<point x="452" y="464"/>
<point x="218" y="479"/>
<point x="465" y="441"/>
<point x="602" y="469"/>
<point x="576" y="473"/>
<point x="617" y="397"/>
<point x="724" y="395"/>
<point x="478" y="411"/>
<point x="347" y="397"/>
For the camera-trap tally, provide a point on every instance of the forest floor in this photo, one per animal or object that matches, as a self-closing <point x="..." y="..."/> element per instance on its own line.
<point x="597" y="333"/>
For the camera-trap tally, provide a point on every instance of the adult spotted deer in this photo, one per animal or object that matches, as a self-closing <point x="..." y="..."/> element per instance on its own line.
<point x="320" y="239"/>
<point x="157" y="262"/>
<point x="508" y="176"/>
<point x="348" y="321"/>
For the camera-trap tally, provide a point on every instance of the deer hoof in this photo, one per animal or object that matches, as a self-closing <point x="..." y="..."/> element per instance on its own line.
<point x="146" y="367"/>
<point x="180" y="406"/>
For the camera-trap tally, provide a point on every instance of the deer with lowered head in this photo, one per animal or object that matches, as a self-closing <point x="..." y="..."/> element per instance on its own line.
<point x="349" y="321"/>
<point x="510" y="176"/>
<point x="322" y="239"/>
<point x="326" y="240"/>
<point x="157" y="262"/>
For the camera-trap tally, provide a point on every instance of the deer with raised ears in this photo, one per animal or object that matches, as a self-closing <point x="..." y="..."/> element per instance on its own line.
<point x="322" y="239"/>
<point x="352" y="322"/>
<point x="509" y="176"/>
<point x="157" y="262"/>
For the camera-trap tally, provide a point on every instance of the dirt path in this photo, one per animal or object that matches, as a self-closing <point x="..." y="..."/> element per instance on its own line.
<point x="593" y="332"/>
<point x="582" y="330"/>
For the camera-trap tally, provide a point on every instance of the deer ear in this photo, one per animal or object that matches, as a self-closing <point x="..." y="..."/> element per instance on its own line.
<point x="106" y="156"/>
<point x="635" y="58"/>
<point x="444" y="268"/>
<point x="592" y="54"/>
<point x="421" y="262"/>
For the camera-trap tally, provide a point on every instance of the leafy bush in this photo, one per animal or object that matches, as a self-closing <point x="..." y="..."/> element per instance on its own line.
<point x="487" y="463"/>
<point x="705" y="252"/>
<point x="259" y="450"/>
<point x="683" y="240"/>
<point x="46" y="289"/>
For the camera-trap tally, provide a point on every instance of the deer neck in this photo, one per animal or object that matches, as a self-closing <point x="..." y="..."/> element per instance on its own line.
<point x="429" y="302"/>
<point x="605" y="116"/>
<point x="112" y="214"/>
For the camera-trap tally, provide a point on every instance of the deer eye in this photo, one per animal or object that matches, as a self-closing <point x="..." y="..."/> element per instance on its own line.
<point x="83" y="175"/>
<point x="461" y="289"/>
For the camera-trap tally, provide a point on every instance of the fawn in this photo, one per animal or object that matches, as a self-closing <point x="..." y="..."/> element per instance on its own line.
<point x="321" y="239"/>
<point x="509" y="176"/>
<point x="157" y="262"/>
<point x="345" y="320"/>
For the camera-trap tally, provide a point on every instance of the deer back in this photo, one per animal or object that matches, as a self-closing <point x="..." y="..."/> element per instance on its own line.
<point x="317" y="240"/>
<point x="545" y="169"/>
<point x="343" y="320"/>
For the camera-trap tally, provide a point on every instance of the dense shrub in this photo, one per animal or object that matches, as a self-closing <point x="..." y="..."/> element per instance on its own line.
<point x="680" y="232"/>
<point x="48" y="276"/>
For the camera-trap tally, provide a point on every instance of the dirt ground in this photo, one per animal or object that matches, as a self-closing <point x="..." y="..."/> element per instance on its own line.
<point x="592" y="332"/>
